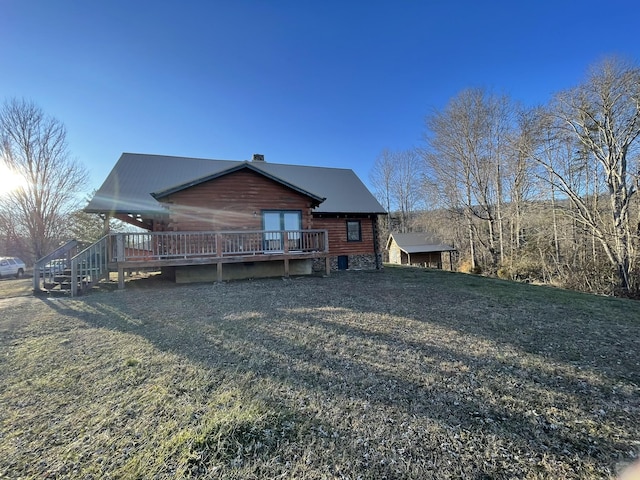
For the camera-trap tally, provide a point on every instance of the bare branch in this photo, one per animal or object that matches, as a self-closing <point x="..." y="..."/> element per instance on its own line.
<point x="34" y="145"/>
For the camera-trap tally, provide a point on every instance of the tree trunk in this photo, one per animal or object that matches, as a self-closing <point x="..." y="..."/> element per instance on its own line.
<point x="472" y="248"/>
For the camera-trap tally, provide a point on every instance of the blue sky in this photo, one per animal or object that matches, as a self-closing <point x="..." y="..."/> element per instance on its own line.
<point x="326" y="83"/>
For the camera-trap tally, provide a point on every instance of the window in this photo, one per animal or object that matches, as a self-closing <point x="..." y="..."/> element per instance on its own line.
<point x="354" y="232"/>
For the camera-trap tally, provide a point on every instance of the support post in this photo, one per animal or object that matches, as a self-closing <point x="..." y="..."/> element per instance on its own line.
<point x="327" y="259"/>
<point x="285" y="240"/>
<point x="120" y="247"/>
<point x="120" y="277"/>
<point x="219" y="272"/>
<point x="36" y="278"/>
<point x="218" y="245"/>
<point x="74" y="279"/>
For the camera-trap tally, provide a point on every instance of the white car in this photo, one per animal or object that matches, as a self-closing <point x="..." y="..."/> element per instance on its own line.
<point x="11" y="267"/>
<point x="54" y="267"/>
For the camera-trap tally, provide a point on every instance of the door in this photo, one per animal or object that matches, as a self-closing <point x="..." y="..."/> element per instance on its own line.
<point x="272" y="239"/>
<point x="274" y="221"/>
<point x="291" y="222"/>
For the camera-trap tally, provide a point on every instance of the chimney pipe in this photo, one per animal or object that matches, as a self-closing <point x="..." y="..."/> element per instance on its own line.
<point x="258" y="157"/>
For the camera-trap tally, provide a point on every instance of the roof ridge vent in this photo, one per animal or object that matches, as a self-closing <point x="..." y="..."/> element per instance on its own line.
<point x="257" y="157"/>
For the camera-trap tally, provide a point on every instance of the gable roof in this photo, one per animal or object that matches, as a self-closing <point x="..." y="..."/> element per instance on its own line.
<point x="244" y="165"/>
<point x="419" y="242"/>
<point x="129" y="187"/>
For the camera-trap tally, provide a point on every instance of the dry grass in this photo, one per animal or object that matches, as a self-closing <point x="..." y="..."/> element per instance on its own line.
<point x="401" y="374"/>
<point x="11" y="288"/>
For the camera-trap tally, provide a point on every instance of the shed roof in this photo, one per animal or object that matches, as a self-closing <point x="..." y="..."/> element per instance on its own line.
<point x="419" y="242"/>
<point x="135" y="177"/>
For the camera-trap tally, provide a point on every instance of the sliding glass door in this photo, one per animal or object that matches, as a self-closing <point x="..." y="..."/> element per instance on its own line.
<point x="274" y="221"/>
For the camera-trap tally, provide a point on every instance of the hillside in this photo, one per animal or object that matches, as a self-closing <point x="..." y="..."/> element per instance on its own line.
<point x="404" y="373"/>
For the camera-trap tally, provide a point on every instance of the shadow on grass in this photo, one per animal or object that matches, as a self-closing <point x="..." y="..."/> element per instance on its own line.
<point x="410" y="370"/>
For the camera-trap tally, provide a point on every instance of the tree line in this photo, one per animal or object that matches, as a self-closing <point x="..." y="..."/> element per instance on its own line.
<point x="545" y="193"/>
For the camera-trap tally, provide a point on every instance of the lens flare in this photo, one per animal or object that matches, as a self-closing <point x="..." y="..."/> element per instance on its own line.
<point x="10" y="180"/>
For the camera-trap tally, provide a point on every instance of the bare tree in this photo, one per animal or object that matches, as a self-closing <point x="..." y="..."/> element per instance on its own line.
<point x="11" y="242"/>
<point x="396" y="179"/>
<point x="520" y="175"/>
<point x="470" y="154"/>
<point x="405" y="187"/>
<point x="381" y="178"/>
<point x="602" y="117"/>
<point x="450" y="139"/>
<point x="34" y="146"/>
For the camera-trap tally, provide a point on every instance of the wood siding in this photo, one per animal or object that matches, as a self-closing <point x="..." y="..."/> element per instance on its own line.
<point x="395" y="254"/>
<point x="233" y="202"/>
<point x="236" y="201"/>
<point x="423" y="259"/>
<point x="337" y="228"/>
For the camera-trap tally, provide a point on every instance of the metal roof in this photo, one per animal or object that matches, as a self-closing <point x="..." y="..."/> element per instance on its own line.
<point x="421" y="242"/>
<point x="427" y="248"/>
<point x="243" y="165"/>
<point x="135" y="177"/>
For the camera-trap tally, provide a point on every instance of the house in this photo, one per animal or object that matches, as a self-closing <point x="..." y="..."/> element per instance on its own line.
<point x="418" y="248"/>
<point x="219" y="219"/>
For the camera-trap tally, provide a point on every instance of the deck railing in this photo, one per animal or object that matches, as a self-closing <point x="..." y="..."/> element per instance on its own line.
<point x="147" y="246"/>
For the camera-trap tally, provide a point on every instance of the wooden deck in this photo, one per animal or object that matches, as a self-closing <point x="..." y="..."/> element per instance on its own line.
<point x="135" y="251"/>
<point x="123" y="252"/>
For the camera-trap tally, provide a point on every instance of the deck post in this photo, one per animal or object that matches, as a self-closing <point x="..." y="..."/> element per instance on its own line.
<point x="327" y="259"/>
<point x="74" y="278"/>
<point x="218" y="245"/>
<point x="36" y="278"/>
<point x="120" y="277"/>
<point x="218" y="238"/>
<point x="285" y="240"/>
<point x="120" y="247"/>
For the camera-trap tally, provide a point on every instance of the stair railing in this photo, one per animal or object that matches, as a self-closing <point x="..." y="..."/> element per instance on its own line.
<point x="90" y="266"/>
<point x="65" y="252"/>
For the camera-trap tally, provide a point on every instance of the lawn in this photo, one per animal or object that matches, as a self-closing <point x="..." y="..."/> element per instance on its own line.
<point x="398" y="374"/>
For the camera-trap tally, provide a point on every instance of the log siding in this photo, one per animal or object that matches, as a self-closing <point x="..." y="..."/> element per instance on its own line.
<point x="337" y="228"/>
<point x="233" y="202"/>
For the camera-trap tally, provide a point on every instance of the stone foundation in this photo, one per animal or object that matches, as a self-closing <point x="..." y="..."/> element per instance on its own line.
<point x="355" y="262"/>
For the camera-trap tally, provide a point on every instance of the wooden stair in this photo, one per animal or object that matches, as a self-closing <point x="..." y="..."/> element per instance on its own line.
<point x="86" y="268"/>
<point x="61" y="283"/>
